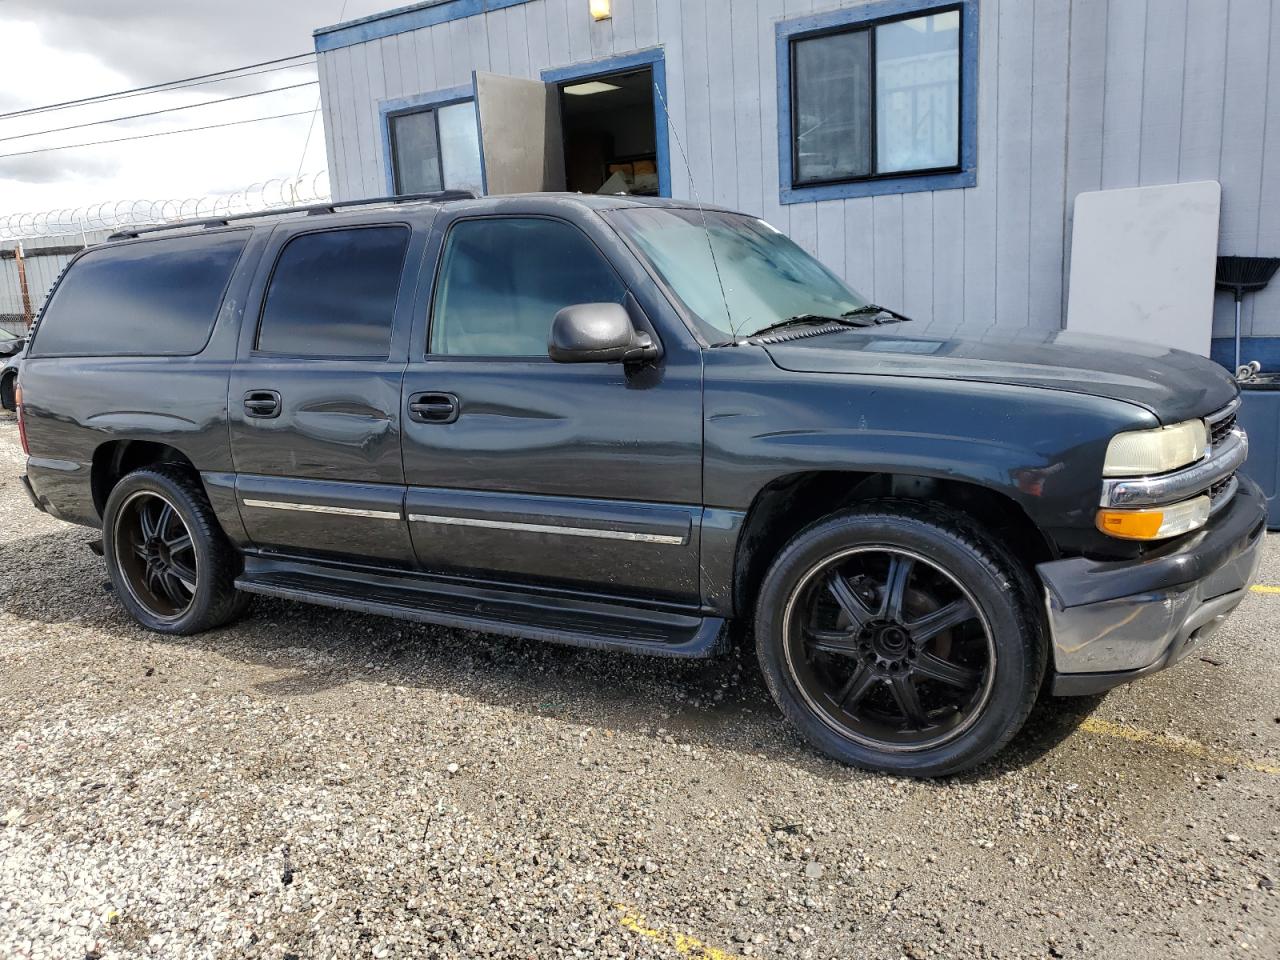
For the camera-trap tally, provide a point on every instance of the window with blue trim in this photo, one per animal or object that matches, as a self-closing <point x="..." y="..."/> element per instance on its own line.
<point x="437" y="148"/>
<point x="877" y="100"/>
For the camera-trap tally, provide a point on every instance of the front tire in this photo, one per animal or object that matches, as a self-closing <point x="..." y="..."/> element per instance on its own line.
<point x="897" y="637"/>
<point x="170" y="563"/>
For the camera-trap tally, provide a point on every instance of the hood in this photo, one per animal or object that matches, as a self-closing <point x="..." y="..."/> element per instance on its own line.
<point x="1172" y="384"/>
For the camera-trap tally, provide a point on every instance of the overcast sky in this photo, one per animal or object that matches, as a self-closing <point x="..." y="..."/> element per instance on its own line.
<point x="56" y="50"/>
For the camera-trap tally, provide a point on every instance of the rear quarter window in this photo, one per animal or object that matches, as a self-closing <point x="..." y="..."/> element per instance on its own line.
<point x="150" y="298"/>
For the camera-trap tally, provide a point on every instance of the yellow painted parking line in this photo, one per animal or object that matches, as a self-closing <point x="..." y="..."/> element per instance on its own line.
<point x="683" y="944"/>
<point x="1263" y="588"/>
<point x="1183" y="745"/>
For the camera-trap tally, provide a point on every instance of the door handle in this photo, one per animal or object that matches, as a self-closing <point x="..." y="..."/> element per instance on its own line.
<point x="434" y="408"/>
<point x="262" y="404"/>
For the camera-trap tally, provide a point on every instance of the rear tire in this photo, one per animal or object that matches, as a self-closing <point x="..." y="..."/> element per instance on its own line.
<point x="898" y="637"/>
<point x="8" y="396"/>
<point x="171" y="565"/>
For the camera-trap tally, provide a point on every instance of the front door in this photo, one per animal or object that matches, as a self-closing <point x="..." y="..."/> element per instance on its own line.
<point x="582" y="476"/>
<point x="314" y="400"/>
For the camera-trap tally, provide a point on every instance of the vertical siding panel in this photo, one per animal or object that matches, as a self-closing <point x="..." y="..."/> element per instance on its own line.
<point x="346" y="125"/>
<point x="1048" y="148"/>
<point x="1122" y="122"/>
<point x="746" y="39"/>
<point x="800" y="219"/>
<point x="623" y="26"/>
<point x="671" y="35"/>
<point x="471" y="33"/>
<point x="645" y="21"/>
<point x="495" y="26"/>
<point x="768" y="12"/>
<point x="860" y="246"/>
<point x="917" y="251"/>
<point x="390" y="54"/>
<point x="721" y="94"/>
<point x="1162" y="78"/>
<point x="980" y="201"/>
<point x="1244" y="121"/>
<point x="426" y="61"/>
<point x="579" y="19"/>
<point x="1200" y="148"/>
<point x="410" y="78"/>
<point x="332" y="126"/>
<point x="536" y="31"/>
<point x="948" y="260"/>
<point x="1086" y="107"/>
<point x="887" y="223"/>
<point x="1013" y="163"/>
<point x="442" y="43"/>
<point x="518" y="41"/>
<point x="1266" y="306"/>
<point x="357" y="64"/>
<point x="697" y="100"/>
<point x="601" y="35"/>
<point x="375" y="179"/>
<point x="830" y="234"/>
<point x="558" y="52"/>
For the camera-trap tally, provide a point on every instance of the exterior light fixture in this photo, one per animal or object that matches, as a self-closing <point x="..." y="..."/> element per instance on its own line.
<point x="599" y="9"/>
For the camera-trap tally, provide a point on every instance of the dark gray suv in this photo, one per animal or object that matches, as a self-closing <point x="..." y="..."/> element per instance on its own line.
<point x="631" y="424"/>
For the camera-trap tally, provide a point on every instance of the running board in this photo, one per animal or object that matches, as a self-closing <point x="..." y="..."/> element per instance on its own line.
<point x="463" y="605"/>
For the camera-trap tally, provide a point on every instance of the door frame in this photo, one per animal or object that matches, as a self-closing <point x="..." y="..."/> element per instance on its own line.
<point x="653" y="57"/>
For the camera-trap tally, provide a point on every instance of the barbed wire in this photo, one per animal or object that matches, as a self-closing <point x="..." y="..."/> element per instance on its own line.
<point x="114" y="214"/>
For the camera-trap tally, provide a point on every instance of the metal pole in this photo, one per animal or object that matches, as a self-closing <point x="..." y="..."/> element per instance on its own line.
<point x="1237" y="366"/>
<point x="27" y="316"/>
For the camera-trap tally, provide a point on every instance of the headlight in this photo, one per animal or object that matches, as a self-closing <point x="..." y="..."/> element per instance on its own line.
<point x="1143" y="452"/>
<point x="1155" y="523"/>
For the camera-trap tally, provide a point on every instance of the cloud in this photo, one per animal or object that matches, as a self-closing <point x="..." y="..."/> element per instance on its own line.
<point x="56" y="168"/>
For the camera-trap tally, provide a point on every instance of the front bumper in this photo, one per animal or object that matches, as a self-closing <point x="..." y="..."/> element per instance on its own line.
<point x="1112" y="622"/>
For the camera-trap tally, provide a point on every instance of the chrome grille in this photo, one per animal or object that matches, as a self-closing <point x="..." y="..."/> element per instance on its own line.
<point x="1218" y="431"/>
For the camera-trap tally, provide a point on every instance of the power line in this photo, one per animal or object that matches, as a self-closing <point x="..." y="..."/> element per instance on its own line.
<point x="156" y="87"/>
<point x="148" y="136"/>
<point x="153" y="113"/>
<point x="110" y="98"/>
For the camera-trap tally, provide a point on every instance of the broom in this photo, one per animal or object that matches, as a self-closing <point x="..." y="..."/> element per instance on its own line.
<point x="1243" y="275"/>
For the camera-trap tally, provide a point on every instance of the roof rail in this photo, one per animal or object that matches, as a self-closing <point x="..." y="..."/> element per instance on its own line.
<point x="439" y="196"/>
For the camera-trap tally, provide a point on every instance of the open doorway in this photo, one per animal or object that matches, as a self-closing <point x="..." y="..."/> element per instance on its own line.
<point x="610" y="133"/>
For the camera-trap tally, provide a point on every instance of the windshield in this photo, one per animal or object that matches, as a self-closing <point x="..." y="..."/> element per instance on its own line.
<point x="765" y="276"/>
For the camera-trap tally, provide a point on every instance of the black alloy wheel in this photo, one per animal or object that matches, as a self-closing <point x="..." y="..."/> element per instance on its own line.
<point x="173" y="568"/>
<point x="889" y="648"/>
<point x="156" y="554"/>
<point x="899" y="636"/>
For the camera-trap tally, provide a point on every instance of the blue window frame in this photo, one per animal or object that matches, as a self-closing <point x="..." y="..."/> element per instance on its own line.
<point x="431" y="142"/>
<point x="878" y="99"/>
<point x="653" y="57"/>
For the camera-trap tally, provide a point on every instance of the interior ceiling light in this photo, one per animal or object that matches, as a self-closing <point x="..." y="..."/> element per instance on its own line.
<point x="590" y="87"/>
<point x="599" y="9"/>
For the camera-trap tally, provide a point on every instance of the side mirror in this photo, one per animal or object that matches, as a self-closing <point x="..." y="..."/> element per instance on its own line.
<point x="598" y="333"/>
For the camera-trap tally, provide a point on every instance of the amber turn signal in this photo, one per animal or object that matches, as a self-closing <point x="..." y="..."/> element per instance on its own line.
<point x="1156" y="523"/>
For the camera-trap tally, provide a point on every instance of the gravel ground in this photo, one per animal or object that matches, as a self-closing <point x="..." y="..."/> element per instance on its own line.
<point x="318" y="784"/>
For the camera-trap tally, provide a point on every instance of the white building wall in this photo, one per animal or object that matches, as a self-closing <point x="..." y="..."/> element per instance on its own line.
<point x="1074" y="95"/>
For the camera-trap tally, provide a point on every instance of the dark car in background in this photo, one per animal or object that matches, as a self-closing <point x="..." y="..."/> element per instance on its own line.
<point x="632" y="424"/>
<point x="12" y="347"/>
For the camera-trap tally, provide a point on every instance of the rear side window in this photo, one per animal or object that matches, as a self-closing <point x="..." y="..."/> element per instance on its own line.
<point x="153" y="298"/>
<point x="333" y="294"/>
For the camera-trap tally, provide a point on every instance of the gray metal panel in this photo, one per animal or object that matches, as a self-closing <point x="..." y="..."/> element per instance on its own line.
<point x="519" y="134"/>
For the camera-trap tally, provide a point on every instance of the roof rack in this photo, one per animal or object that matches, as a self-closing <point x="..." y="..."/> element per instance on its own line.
<point x="439" y="196"/>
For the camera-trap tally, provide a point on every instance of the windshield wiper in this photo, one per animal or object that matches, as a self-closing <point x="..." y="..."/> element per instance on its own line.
<point x="877" y="311"/>
<point x="807" y="319"/>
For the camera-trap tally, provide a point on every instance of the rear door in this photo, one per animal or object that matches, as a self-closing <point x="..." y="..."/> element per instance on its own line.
<point x="314" y="399"/>
<point x="583" y="476"/>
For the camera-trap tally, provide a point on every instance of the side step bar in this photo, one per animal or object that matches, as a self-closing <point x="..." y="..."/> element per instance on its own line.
<point x="536" y="615"/>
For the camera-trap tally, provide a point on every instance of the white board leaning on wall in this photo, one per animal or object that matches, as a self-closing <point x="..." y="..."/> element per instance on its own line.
<point x="1143" y="262"/>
